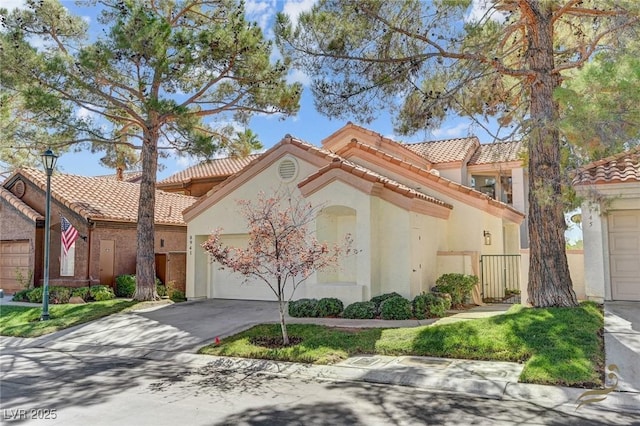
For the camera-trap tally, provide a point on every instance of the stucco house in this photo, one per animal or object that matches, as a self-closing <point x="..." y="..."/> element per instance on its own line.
<point x="411" y="220"/>
<point x="611" y="226"/>
<point x="104" y="212"/>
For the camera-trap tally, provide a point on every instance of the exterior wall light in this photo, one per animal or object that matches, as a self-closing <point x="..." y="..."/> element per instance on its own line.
<point x="487" y="238"/>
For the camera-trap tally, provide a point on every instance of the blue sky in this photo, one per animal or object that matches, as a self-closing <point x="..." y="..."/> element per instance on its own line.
<point x="307" y="124"/>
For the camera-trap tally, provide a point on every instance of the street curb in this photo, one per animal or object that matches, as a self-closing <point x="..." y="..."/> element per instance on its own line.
<point x="390" y="374"/>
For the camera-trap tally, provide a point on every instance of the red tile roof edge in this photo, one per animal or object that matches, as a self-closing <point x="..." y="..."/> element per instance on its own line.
<point x="424" y="172"/>
<point x="19" y="205"/>
<point x="372" y="176"/>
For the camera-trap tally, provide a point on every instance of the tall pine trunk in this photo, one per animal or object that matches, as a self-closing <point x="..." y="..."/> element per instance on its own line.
<point x="549" y="279"/>
<point x="145" y="256"/>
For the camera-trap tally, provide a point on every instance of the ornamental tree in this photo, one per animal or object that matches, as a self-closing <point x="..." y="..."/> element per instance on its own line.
<point x="504" y="59"/>
<point x="161" y="76"/>
<point x="282" y="250"/>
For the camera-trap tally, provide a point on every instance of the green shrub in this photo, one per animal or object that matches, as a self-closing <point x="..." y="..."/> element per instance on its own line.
<point x="59" y="295"/>
<point x="125" y="286"/>
<point x="396" y="308"/>
<point x="329" y="307"/>
<point x="459" y="286"/>
<point x="101" y="292"/>
<point x="178" y="296"/>
<point x="303" y="308"/>
<point x="35" y="295"/>
<point x="21" y="296"/>
<point x="360" y="310"/>
<point x="81" y="292"/>
<point x="377" y="300"/>
<point x="161" y="290"/>
<point x="430" y="305"/>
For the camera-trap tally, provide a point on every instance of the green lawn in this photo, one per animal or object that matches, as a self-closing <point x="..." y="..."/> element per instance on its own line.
<point x="22" y="321"/>
<point x="560" y="346"/>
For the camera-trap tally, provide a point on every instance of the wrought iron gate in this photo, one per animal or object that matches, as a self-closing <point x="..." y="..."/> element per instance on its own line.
<point x="500" y="278"/>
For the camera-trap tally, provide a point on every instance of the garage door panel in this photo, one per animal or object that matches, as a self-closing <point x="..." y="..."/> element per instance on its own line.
<point x="230" y="285"/>
<point x="624" y="254"/>
<point x="226" y="284"/>
<point x="15" y="259"/>
<point x="626" y="288"/>
<point x="624" y="243"/>
<point x="624" y="221"/>
<point x="625" y="266"/>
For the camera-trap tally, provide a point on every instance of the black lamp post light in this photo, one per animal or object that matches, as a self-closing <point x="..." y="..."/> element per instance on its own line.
<point x="49" y="162"/>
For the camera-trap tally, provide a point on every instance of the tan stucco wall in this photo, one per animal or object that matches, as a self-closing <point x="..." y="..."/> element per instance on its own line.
<point x="225" y="214"/>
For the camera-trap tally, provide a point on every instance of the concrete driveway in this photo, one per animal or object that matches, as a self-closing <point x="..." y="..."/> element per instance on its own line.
<point x="176" y="328"/>
<point x="622" y="344"/>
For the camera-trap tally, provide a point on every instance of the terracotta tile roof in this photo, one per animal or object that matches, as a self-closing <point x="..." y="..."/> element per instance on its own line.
<point x="105" y="199"/>
<point x="19" y="205"/>
<point x="288" y="139"/>
<point x="497" y="152"/>
<point x="219" y="167"/>
<point x="400" y="147"/>
<point x="445" y="151"/>
<point x="126" y="176"/>
<point x="433" y="176"/>
<point x="372" y="176"/>
<point x="623" y="167"/>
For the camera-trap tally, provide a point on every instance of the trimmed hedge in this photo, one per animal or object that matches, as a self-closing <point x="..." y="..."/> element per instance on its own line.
<point x="459" y="286"/>
<point x="60" y="295"/>
<point x="303" y="308"/>
<point x="396" y="308"/>
<point x="430" y="305"/>
<point x="377" y="300"/>
<point x="329" y="307"/>
<point x="360" y="310"/>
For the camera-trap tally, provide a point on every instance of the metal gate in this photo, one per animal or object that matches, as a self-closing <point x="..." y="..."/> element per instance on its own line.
<point x="500" y="278"/>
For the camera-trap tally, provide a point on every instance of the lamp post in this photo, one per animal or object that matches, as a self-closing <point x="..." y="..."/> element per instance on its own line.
<point x="49" y="161"/>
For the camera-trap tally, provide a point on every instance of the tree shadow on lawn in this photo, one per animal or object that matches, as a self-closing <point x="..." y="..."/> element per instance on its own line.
<point x="553" y="342"/>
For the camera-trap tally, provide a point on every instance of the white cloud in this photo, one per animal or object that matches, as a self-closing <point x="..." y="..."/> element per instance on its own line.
<point x="457" y="131"/>
<point x="84" y="114"/>
<point x="262" y="12"/>
<point x="478" y="10"/>
<point x="13" y="4"/>
<point x="294" y="8"/>
<point x="297" y="76"/>
<point x="185" y="161"/>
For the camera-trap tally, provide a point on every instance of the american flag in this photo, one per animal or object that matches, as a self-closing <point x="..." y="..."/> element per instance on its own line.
<point x="69" y="234"/>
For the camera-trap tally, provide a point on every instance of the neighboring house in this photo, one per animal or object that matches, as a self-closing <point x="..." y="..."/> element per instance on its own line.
<point x="410" y="222"/>
<point x="199" y="179"/>
<point x="611" y="226"/>
<point x="104" y="211"/>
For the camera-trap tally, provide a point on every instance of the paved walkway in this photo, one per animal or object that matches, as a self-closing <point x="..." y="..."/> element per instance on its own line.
<point x="622" y="344"/>
<point x="175" y="332"/>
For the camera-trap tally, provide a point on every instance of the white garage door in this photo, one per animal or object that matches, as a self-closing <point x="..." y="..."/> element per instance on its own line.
<point x="14" y="259"/>
<point x="624" y="254"/>
<point x="226" y="284"/>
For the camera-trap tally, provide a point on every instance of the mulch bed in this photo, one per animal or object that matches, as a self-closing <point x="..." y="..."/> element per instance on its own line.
<point x="274" y="342"/>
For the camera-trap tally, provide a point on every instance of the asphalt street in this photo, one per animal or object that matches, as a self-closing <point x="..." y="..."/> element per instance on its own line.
<point x="44" y="386"/>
